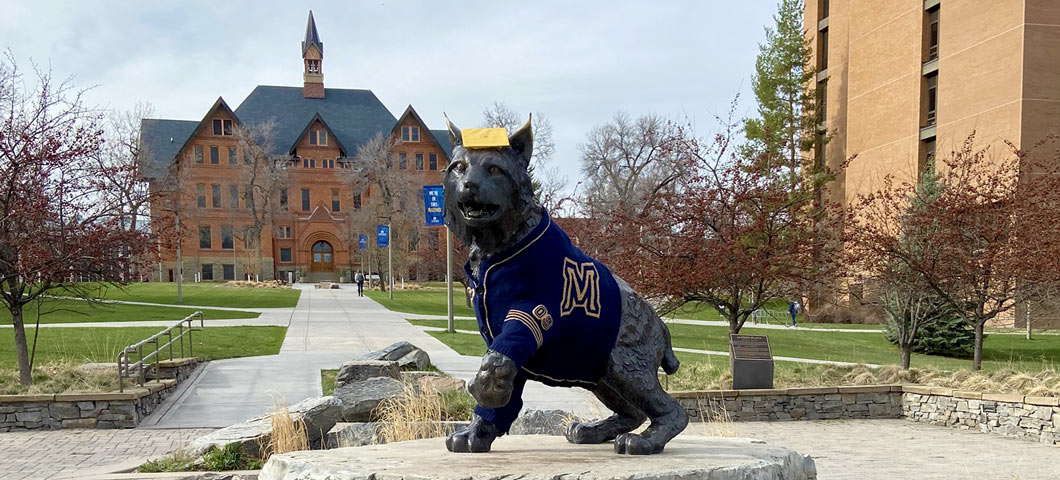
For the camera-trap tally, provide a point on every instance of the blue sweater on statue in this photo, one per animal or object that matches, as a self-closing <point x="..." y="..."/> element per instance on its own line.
<point x="550" y="308"/>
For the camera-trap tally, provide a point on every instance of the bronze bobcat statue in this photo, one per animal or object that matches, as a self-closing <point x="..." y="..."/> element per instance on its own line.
<point x="548" y="312"/>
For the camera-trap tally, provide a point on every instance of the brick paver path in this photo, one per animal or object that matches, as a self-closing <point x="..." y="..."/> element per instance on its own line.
<point x="899" y="449"/>
<point x="69" y="453"/>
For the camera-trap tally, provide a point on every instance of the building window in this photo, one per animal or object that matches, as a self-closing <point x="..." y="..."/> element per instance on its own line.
<point x="198" y="154"/>
<point x="207" y="272"/>
<point x="318" y="137"/>
<point x="927" y="156"/>
<point x="313" y="66"/>
<point x="305" y="199"/>
<point x="932" y="99"/>
<point x="215" y="192"/>
<point x="824" y="9"/>
<point x="822" y="50"/>
<point x="432" y="160"/>
<point x="356" y="201"/>
<point x="822" y="102"/>
<point x="228" y="271"/>
<point x="204" y="236"/>
<point x="403" y="161"/>
<point x="419" y="161"/>
<point x="226" y="237"/>
<point x="285" y="231"/>
<point x="222" y="127"/>
<point x="410" y="134"/>
<point x="312" y="163"/>
<point x="933" y="34"/>
<point x="233" y="196"/>
<point x="215" y="156"/>
<point x="334" y="199"/>
<point x="283" y="198"/>
<point x="200" y="195"/>
<point x="232" y="156"/>
<point x="331" y="163"/>
<point x="285" y="254"/>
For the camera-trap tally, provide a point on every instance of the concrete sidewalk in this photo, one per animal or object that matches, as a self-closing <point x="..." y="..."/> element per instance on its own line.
<point x="327" y="328"/>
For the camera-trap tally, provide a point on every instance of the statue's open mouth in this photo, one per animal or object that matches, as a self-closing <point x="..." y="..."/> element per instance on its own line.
<point x="476" y="211"/>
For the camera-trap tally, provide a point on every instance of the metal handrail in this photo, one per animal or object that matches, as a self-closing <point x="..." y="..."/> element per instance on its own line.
<point x="125" y="368"/>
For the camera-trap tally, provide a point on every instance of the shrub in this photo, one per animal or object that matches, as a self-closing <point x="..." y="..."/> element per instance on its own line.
<point x="949" y="337"/>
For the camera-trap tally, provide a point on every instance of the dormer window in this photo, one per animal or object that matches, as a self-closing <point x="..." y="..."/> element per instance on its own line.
<point x="318" y="137"/>
<point x="410" y="134"/>
<point x="222" y="127"/>
<point x="313" y="66"/>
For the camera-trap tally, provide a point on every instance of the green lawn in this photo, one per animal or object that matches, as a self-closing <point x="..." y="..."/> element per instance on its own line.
<point x="208" y="294"/>
<point x="1000" y="351"/>
<point x="422" y="302"/>
<point x="102" y="344"/>
<point x="56" y="310"/>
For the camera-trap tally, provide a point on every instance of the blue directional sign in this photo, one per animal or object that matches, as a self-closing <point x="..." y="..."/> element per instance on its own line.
<point x="382" y="235"/>
<point x="362" y="242"/>
<point x="432" y="203"/>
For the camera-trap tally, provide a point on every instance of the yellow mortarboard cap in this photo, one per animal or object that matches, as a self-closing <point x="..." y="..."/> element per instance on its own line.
<point x="484" y="137"/>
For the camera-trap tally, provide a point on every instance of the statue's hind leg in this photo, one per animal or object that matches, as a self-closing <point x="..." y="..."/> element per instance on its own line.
<point x="625" y="419"/>
<point x="667" y="416"/>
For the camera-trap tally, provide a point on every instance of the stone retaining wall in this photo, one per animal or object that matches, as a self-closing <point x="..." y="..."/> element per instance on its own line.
<point x="873" y="401"/>
<point x="94" y="410"/>
<point x="1018" y="416"/>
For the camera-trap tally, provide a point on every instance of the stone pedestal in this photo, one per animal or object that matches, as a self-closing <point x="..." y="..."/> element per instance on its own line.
<point x="545" y="456"/>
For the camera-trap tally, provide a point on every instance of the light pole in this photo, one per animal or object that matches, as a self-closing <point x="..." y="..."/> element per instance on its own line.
<point x="390" y="259"/>
<point x="449" y="276"/>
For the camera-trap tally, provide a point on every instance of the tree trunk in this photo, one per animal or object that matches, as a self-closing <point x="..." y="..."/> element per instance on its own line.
<point x="907" y="351"/>
<point x="977" y="359"/>
<point x="734" y="324"/>
<point x="24" y="373"/>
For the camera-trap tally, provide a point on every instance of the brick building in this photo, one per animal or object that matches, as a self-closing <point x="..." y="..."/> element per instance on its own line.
<point x="900" y="80"/>
<point x="276" y="173"/>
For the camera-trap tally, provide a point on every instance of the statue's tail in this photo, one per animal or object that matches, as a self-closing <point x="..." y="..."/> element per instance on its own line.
<point x="670" y="363"/>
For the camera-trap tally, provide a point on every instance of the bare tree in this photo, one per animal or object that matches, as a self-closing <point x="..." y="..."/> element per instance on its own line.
<point x="263" y="175"/>
<point x="548" y="183"/>
<point x="627" y="165"/>
<point x="389" y="196"/>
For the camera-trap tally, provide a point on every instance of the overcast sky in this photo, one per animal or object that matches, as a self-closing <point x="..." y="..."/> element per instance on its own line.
<point x="574" y="62"/>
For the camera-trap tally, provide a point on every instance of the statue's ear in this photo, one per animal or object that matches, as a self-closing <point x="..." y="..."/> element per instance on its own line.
<point x="522" y="142"/>
<point x="454" y="133"/>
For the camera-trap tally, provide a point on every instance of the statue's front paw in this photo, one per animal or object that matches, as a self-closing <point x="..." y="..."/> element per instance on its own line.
<point x="476" y="438"/>
<point x="633" y="444"/>
<point x="492" y="386"/>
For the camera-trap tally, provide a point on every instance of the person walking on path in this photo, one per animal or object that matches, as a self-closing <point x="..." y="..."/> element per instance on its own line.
<point x="359" y="278"/>
<point x="793" y="309"/>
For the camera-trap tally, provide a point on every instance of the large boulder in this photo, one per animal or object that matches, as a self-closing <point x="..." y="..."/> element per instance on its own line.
<point x="358" y="370"/>
<point x="542" y="422"/>
<point x="415" y="360"/>
<point x="319" y="414"/>
<point x="440" y="384"/>
<point x="360" y="399"/>
<point x="408" y="356"/>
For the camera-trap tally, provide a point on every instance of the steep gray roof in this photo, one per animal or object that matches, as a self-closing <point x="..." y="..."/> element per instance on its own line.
<point x="442" y="136"/>
<point x="354" y="116"/>
<point x="161" y="141"/>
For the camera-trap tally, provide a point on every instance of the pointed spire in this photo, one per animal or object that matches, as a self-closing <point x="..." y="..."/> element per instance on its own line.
<point x="311" y="36"/>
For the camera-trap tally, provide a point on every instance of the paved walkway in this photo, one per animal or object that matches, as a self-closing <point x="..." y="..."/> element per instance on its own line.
<point x="900" y="449"/>
<point x="327" y="328"/>
<point x="75" y="453"/>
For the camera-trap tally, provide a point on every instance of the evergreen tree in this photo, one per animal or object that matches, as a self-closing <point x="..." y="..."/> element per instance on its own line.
<point x="784" y="86"/>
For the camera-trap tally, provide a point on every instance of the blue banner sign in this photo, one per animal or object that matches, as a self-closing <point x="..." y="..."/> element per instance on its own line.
<point x="382" y="235"/>
<point x="432" y="203"/>
<point x="362" y="242"/>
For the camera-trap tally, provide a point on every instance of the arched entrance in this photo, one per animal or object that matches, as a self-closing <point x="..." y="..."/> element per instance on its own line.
<point x="323" y="260"/>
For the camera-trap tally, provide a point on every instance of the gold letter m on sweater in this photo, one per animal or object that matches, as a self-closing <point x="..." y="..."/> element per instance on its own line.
<point x="581" y="288"/>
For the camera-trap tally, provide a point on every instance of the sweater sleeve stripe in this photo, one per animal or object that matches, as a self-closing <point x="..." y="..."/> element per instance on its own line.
<point x="527" y="320"/>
